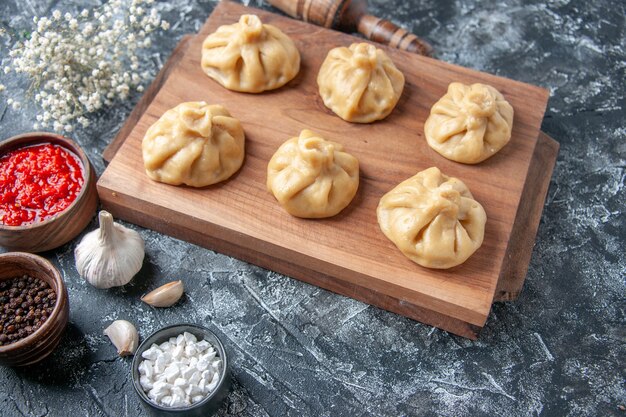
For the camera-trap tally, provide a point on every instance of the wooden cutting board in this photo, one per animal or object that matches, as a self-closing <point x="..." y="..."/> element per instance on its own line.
<point x="348" y="253"/>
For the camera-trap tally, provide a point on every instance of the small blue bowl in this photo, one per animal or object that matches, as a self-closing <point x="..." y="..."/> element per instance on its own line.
<point x="207" y="406"/>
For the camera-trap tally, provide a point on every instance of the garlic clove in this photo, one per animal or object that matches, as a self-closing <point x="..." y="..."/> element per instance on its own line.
<point x="165" y="296"/>
<point x="111" y="255"/>
<point x="124" y="337"/>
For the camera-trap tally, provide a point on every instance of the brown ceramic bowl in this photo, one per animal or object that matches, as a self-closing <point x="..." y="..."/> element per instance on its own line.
<point x="64" y="226"/>
<point x="42" y="342"/>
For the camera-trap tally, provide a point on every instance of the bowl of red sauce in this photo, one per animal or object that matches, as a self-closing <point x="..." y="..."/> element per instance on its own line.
<point x="47" y="191"/>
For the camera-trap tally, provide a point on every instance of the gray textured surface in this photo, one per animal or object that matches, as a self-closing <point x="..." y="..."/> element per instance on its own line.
<point x="559" y="350"/>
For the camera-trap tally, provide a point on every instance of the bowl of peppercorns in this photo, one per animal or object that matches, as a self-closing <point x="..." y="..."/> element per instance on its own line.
<point x="34" y="308"/>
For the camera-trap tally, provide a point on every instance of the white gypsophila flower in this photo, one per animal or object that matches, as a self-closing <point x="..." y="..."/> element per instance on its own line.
<point x="79" y="64"/>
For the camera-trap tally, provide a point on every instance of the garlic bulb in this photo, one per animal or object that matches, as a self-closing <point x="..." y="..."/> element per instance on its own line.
<point x="165" y="296"/>
<point x="124" y="337"/>
<point x="111" y="255"/>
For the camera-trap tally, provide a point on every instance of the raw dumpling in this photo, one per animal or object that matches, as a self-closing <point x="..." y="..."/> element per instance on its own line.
<point x="433" y="219"/>
<point x="470" y="123"/>
<point x="360" y="84"/>
<point x="312" y="177"/>
<point x="194" y="144"/>
<point x="249" y="56"/>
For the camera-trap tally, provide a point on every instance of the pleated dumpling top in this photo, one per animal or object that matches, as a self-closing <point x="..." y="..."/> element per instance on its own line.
<point x="195" y="144"/>
<point x="470" y="123"/>
<point x="433" y="219"/>
<point x="312" y="177"/>
<point x="360" y="83"/>
<point x="250" y="56"/>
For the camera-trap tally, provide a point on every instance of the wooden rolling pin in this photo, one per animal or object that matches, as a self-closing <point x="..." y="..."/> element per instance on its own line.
<point x="351" y="15"/>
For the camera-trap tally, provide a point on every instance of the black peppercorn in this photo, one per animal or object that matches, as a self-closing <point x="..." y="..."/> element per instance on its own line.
<point x="25" y="304"/>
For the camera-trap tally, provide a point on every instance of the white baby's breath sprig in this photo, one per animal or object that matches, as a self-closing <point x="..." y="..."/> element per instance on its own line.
<point x="79" y="64"/>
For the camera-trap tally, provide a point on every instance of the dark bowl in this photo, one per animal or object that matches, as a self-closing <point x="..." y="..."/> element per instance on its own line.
<point x="44" y="340"/>
<point x="64" y="226"/>
<point x="207" y="406"/>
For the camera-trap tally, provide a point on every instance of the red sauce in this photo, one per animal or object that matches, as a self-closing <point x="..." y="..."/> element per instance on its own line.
<point x="37" y="182"/>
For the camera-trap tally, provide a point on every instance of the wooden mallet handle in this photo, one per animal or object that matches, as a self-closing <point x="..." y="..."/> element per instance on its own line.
<point x="386" y="32"/>
<point x="350" y="15"/>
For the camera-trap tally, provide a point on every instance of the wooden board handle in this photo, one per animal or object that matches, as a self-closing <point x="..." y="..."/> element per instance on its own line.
<point x="386" y="32"/>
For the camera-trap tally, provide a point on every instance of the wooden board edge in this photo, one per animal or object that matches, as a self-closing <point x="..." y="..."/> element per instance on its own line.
<point x="520" y="247"/>
<point x="336" y="285"/>
<point x="145" y="101"/>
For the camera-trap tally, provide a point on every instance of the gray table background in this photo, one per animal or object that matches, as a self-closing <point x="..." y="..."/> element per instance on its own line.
<point x="559" y="350"/>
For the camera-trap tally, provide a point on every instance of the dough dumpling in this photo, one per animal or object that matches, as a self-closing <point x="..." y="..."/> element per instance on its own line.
<point x="470" y="123"/>
<point x="360" y="84"/>
<point x="194" y="144"/>
<point x="312" y="177"/>
<point x="250" y="56"/>
<point x="433" y="219"/>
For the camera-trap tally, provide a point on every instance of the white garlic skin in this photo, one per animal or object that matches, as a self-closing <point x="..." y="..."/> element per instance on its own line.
<point x="124" y="337"/>
<point x="111" y="255"/>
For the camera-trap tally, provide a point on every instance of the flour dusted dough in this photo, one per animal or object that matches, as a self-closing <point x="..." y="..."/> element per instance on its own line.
<point x="312" y="177"/>
<point x="433" y="219"/>
<point x="470" y="123"/>
<point x="250" y="56"/>
<point x="360" y="84"/>
<point x="194" y="144"/>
